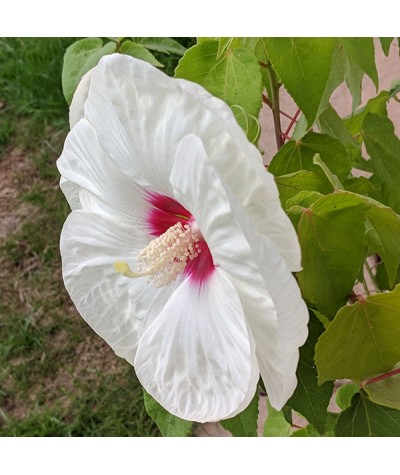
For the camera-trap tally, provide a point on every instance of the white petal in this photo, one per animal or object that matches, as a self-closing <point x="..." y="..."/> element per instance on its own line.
<point x="197" y="358"/>
<point x="115" y="306"/>
<point x="276" y="313"/>
<point x="244" y="173"/>
<point x="76" y="109"/>
<point x="141" y="114"/>
<point x="85" y="165"/>
<point x="71" y="192"/>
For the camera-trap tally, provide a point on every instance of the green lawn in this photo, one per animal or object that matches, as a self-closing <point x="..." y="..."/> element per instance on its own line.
<point x="57" y="377"/>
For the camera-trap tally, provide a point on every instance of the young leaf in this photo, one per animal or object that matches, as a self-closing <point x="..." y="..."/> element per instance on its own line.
<point x="79" y="58"/>
<point x="303" y="65"/>
<point x="345" y="393"/>
<point x="140" y="52"/>
<point x="295" y="156"/>
<point x="245" y="423"/>
<point x="353" y="75"/>
<point x="163" y="45"/>
<point x="362" y="340"/>
<point x="169" y="425"/>
<point x="386" y="391"/>
<point x="235" y="77"/>
<point x="361" y="51"/>
<point x="383" y="232"/>
<point x="309" y="399"/>
<point x="385" y="43"/>
<point x="276" y="425"/>
<point x="330" y="123"/>
<point x="384" y="149"/>
<point x="366" y="419"/>
<point x="293" y="183"/>
<point x="331" y="234"/>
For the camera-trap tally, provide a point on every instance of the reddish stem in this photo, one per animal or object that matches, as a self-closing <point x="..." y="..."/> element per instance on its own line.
<point x="381" y="377"/>
<point x="292" y="122"/>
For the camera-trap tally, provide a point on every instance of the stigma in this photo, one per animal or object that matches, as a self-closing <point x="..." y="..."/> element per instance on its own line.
<point x="164" y="259"/>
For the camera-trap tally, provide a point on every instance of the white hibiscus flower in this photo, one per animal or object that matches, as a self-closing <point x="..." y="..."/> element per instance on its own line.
<point x="165" y="188"/>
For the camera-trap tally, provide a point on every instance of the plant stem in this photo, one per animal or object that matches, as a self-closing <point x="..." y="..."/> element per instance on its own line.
<point x="275" y="106"/>
<point x="366" y="287"/>
<point x="372" y="277"/>
<point x="381" y="377"/>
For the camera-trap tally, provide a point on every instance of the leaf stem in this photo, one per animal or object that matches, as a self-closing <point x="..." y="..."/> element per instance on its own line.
<point x="366" y="287"/>
<point x="375" y="379"/>
<point x="333" y="179"/>
<point x="275" y="105"/>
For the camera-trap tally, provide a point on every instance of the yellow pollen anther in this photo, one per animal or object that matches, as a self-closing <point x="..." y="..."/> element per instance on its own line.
<point x="165" y="257"/>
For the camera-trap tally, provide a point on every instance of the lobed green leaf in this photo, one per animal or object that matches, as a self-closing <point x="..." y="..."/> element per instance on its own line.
<point x="366" y="419"/>
<point x="245" y="423"/>
<point x="169" y="425"/>
<point x="310" y="399"/>
<point x="362" y="340"/>
<point x="79" y="58"/>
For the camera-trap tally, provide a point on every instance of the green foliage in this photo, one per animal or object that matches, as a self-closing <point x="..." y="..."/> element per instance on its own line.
<point x="234" y="76"/>
<point x="299" y="155"/>
<point x="309" y="399"/>
<point x="276" y="425"/>
<point x="293" y="183"/>
<point x="383" y="231"/>
<point x="362" y="340"/>
<point x="79" y="58"/>
<point x="385" y="391"/>
<point x="366" y="419"/>
<point x="162" y="45"/>
<point x="303" y="65"/>
<point x="169" y="425"/>
<point x="310" y="431"/>
<point x="345" y="394"/>
<point x="245" y="423"/>
<point x="138" y="51"/>
<point x="331" y="234"/>
<point x="383" y="147"/>
<point x="385" y="43"/>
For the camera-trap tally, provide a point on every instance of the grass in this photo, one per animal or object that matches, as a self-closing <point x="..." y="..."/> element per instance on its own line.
<point x="57" y="377"/>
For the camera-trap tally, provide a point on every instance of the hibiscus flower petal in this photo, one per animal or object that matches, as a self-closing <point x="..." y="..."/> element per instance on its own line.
<point x="85" y="165"/>
<point x="141" y="114"/>
<point x="197" y="359"/>
<point x="76" y="109"/>
<point x="275" y="311"/>
<point x="116" y="307"/>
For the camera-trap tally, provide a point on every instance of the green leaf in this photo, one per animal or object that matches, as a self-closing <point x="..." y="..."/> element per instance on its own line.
<point x="330" y="123"/>
<point x="386" y="391"/>
<point x="79" y="58"/>
<point x="331" y="234"/>
<point x="366" y="419"/>
<point x="303" y="65"/>
<point x="376" y="105"/>
<point x="360" y="185"/>
<point x="353" y="75"/>
<point x="336" y="77"/>
<point x="361" y="51"/>
<point x="299" y="155"/>
<point x="227" y="44"/>
<point x="235" y="78"/>
<point x="245" y="423"/>
<point x="383" y="236"/>
<point x="309" y="399"/>
<point x="276" y="425"/>
<point x="169" y="425"/>
<point x="293" y="183"/>
<point x="310" y="431"/>
<point x="362" y="340"/>
<point x="138" y="51"/>
<point x="162" y="45"/>
<point x="345" y="393"/>
<point x="383" y="147"/>
<point x="385" y="43"/>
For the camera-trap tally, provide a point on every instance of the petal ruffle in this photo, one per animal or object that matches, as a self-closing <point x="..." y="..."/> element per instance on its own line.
<point x="116" y="307"/>
<point x="197" y="359"/>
